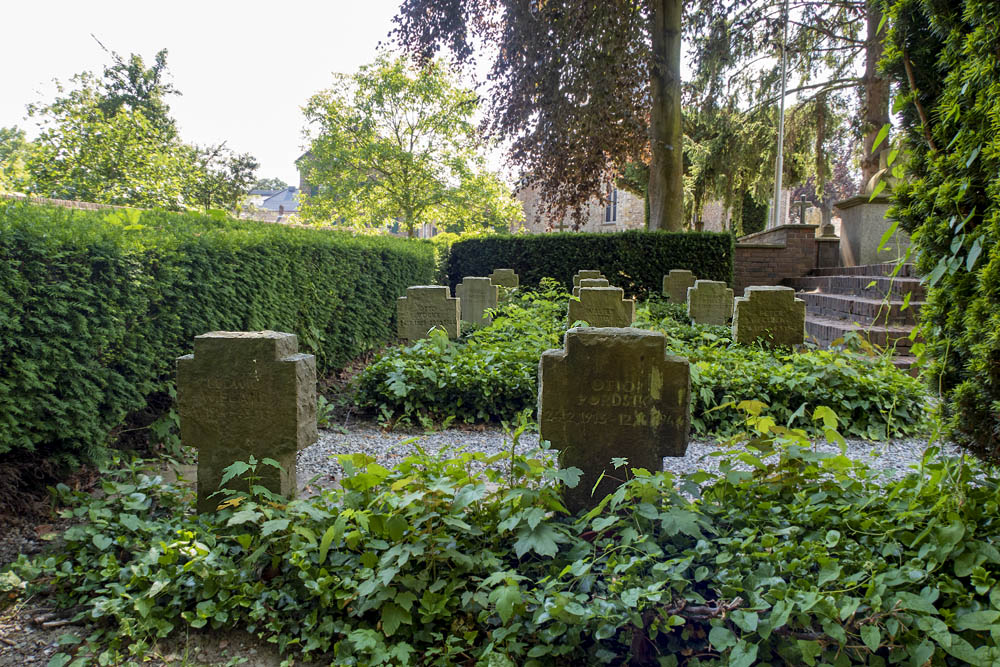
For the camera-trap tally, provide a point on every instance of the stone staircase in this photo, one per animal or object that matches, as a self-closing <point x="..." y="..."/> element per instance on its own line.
<point x="844" y="299"/>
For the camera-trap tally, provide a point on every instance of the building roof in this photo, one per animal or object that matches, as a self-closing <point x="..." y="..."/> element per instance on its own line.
<point x="287" y="199"/>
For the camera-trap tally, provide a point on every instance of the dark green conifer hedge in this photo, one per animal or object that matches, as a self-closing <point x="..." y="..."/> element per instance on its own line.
<point x="634" y="260"/>
<point x="945" y="60"/>
<point x="95" y="307"/>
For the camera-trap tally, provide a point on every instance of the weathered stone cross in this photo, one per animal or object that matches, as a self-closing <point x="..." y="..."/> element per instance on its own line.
<point x="802" y="205"/>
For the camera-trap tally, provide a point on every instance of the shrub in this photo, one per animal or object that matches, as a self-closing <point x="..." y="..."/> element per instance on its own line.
<point x="950" y="199"/>
<point x="493" y="375"/>
<point x="633" y="260"/>
<point x="96" y="307"/>
<point x="787" y="556"/>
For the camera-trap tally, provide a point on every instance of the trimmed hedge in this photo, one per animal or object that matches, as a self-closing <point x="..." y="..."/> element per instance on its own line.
<point x="95" y="307"/>
<point x="944" y="58"/>
<point x="634" y="260"/>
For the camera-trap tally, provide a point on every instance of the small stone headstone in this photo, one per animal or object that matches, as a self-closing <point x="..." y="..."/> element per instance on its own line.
<point x="475" y="296"/>
<point x="612" y="393"/>
<point x="505" y="278"/>
<point x="243" y="394"/>
<point x="676" y="283"/>
<point x="584" y="274"/>
<point x="710" y="302"/>
<point x="590" y="282"/>
<point x="769" y="313"/>
<point x="602" y="307"/>
<point x="423" y="308"/>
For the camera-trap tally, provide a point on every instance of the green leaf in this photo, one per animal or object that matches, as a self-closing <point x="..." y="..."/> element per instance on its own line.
<point x="392" y="617"/>
<point x="887" y="235"/>
<point x="324" y="544"/>
<point x="542" y="540"/>
<point x="830" y="571"/>
<point x="721" y="638"/>
<point x="744" y="654"/>
<point x="871" y="636"/>
<point x="244" y="516"/>
<point x="982" y="621"/>
<point x="273" y="526"/>
<point x="879" y="187"/>
<point x="507" y="598"/>
<point x="233" y="470"/>
<point x="59" y="660"/>
<point x="912" y="601"/>
<point x="102" y="542"/>
<point x="880" y="137"/>
<point x="972" y="158"/>
<point x="974" y="252"/>
<point x="745" y="620"/>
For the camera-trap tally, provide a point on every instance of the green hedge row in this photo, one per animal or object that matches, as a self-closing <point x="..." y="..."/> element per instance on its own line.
<point x="95" y="307"/>
<point x="634" y="260"/>
<point x="944" y="58"/>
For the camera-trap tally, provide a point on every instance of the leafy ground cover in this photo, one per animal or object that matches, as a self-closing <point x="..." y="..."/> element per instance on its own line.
<point x="492" y="374"/>
<point x="821" y="561"/>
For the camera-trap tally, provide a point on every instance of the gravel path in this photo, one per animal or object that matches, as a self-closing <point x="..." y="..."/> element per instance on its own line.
<point x="388" y="448"/>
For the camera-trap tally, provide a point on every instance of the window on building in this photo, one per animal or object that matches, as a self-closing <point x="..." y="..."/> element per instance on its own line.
<point x="611" y="210"/>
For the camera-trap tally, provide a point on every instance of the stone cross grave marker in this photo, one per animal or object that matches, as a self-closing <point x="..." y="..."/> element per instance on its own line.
<point x="803" y="205"/>
<point x="242" y="394"/>
<point x="476" y="295"/>
<point x="770" y="313"/>
<point x="590" y="282"/>
<point x="710" y="302"/>
<point x="505" y="278"/>
<point x="423" y="308"/>
<point x="584" y="274"/>
<point x="676" y="283"/>
<point x="602" y="307"/>
<point x="612" y="393"/>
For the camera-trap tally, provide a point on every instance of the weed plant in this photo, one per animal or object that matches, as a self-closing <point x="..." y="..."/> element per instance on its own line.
<point x="492" y="374"/>
<point x="787" y="555"/>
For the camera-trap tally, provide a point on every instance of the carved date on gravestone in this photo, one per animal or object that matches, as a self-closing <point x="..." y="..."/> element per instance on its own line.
<point x="612" y="393"/>
<point x="242" y="394"/>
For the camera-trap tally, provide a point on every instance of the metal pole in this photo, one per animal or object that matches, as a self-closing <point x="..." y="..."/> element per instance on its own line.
<point x="780" y="162"/>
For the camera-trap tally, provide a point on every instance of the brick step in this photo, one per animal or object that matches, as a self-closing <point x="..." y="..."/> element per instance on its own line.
<point x="859" y="285"/>
<point x="825" y="330"/>
<point x="908" y="270"/>
<point x="860" y="309"/>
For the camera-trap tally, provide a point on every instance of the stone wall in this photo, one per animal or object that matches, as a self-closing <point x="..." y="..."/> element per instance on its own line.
<point x="64" y="203"/>
<point x="630" y="214"/>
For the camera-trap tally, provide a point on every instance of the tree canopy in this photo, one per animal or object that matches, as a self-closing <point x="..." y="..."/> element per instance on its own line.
<point x="392" y="144"/>
<point x="833" y="46"/>
<point x="110" y="139"/>
<point x="580" y="90"/>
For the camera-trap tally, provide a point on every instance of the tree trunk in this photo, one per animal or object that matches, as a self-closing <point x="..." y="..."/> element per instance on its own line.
<point x="876" y="92"/>
<point x="666" y="185"/>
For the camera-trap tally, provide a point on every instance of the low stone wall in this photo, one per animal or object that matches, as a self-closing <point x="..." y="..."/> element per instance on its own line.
<point x="65" y="203"/>
<point x="768" y="257"/>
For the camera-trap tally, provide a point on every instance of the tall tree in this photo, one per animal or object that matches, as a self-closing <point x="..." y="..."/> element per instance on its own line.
<point x="14" y="151"/>
<point x="110" y="139"/>
<point x="392" y="144"/>
<point x="833" y="45"/>
<point x="581" y="90"/>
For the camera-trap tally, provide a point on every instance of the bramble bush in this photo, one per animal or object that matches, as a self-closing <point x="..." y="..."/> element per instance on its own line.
<point x="493" y="374"/>
<point x="786" y="555"/>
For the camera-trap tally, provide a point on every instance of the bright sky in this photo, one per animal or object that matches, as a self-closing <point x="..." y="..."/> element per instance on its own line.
<point x="244" y="68"/>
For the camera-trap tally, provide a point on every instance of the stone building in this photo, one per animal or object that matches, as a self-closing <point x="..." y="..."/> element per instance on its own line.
<point x="624" y="210"/>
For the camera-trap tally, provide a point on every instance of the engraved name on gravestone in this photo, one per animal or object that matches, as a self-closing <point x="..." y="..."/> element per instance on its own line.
<point x="602" y="307"/>
<point x="505" y="278"/>
<point x="243" y="394"/>
<point x="476" y="295"/>
<point x="769" y="313"/>
<point x="590" y="282"/>
<point x="583" y="274"/>
<point x="612" y="393"/>
<point x="676" y="283"/>
<point x="710" y="302"/>
<point x="423" y="308"/>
